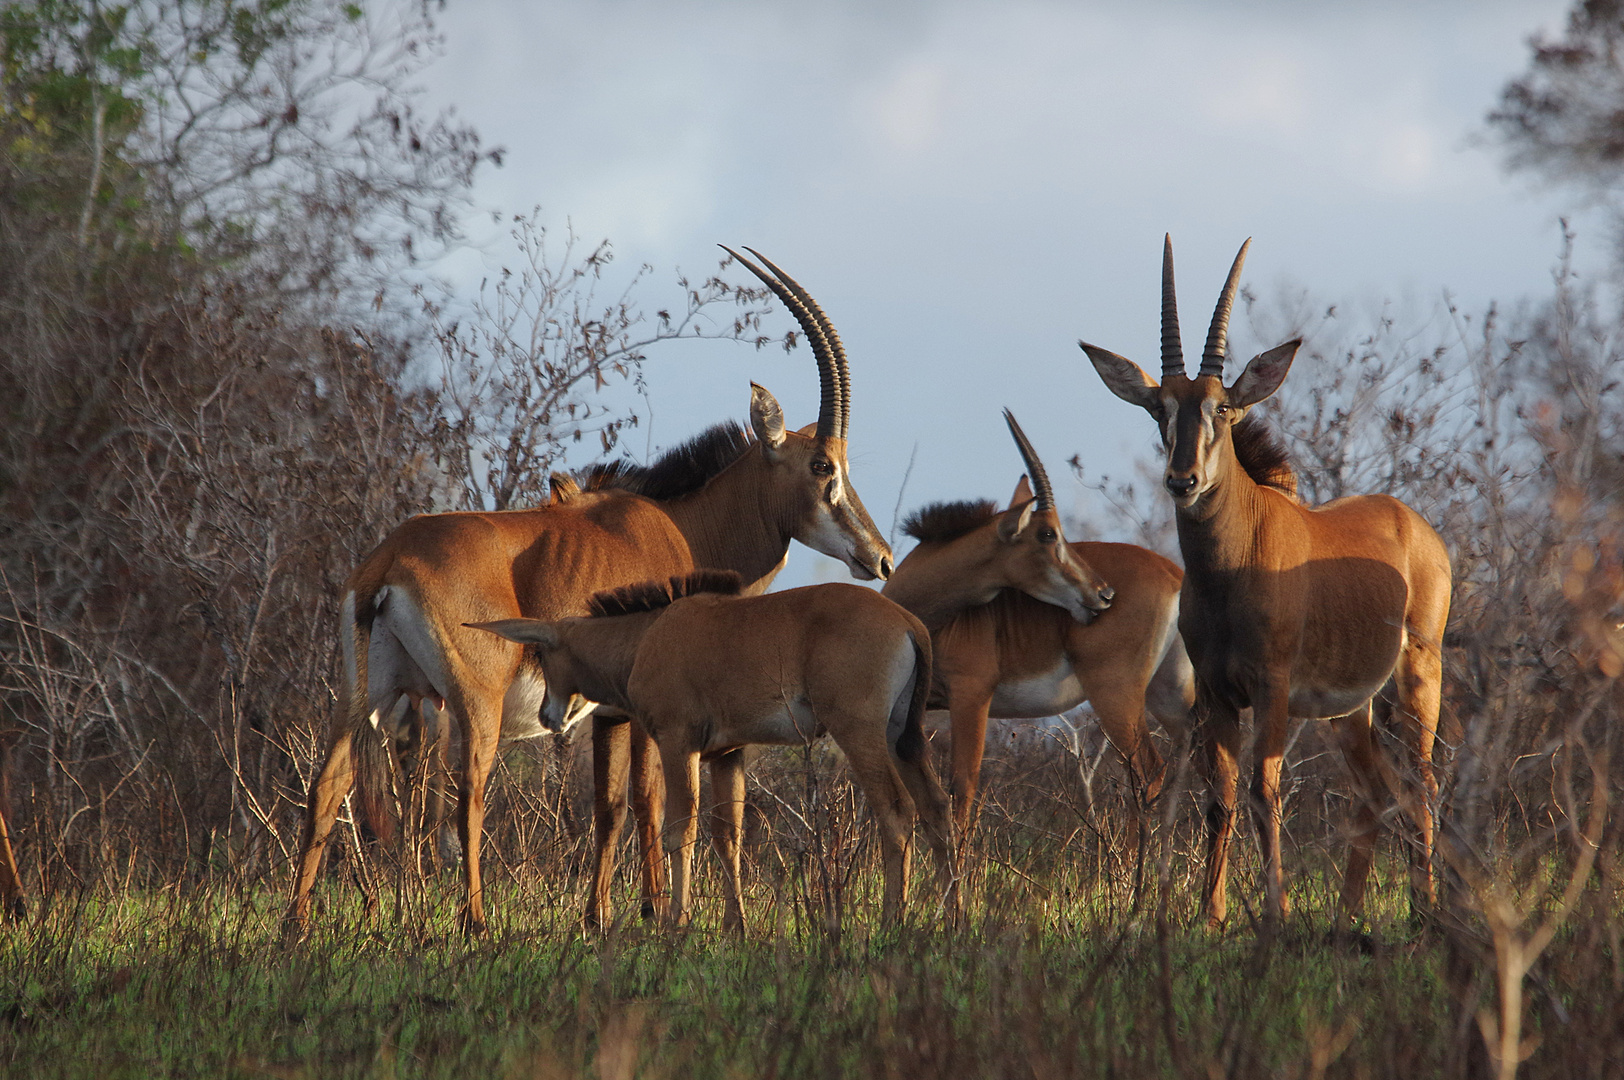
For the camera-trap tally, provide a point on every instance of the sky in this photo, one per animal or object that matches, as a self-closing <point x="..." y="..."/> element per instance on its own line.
<point x="968" y="188"/>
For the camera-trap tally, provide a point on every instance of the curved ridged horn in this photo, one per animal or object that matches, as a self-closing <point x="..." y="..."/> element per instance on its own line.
<point x="836" y="349"/>
<point x="1212" y="357"/>
<point x="1034" y="468"/>
<point x="1172" y="351"/>
<point x="830" y="398"/>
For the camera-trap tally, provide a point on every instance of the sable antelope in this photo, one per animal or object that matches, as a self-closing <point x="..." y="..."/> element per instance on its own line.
<point x="725" y="500"/>
<point x="1025" y="625"/>
<point x="710" y="671"/>
<point x="1293" y="610"/>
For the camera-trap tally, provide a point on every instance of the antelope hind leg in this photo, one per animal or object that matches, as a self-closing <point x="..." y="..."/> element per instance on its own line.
<point x="1358" y="742"/>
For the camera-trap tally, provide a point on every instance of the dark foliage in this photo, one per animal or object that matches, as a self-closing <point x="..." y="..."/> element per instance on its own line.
<point x="1564" y="117"/>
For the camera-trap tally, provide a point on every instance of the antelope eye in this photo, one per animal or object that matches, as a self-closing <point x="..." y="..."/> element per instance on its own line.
<point x="1048" y="536"/>
<point x="822" y="467"/>
<point x="1221" y="410"/>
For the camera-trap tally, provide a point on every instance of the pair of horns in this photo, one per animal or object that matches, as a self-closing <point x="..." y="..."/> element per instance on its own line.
<point x="1034" y="468"/>
<point x="834" y="375"/>
<point x="1212" y="357"/>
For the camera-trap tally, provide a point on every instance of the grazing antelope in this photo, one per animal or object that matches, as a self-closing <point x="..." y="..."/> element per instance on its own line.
<point x="1025" y="625"/>
<point x="725" y="500"/>
<point x="1293" y="610"/>
<point x="710" y="671"/>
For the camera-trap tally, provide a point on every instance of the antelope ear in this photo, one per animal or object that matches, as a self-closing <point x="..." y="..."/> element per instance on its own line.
<point x="524" y="631"/>
<point x="1124" y="378"/>
<point x="766" y="419"/>
<point x="1013" y="520"/>
<point x="1263" y="375"/>
<point x="1023" y="492"/>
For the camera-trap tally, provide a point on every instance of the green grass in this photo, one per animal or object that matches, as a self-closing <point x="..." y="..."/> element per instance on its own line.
<point x="205" y="986"/>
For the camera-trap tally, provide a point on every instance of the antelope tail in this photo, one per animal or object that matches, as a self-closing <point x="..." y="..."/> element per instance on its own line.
<point x="374" y="790"/>
<point x="911" y="743"/>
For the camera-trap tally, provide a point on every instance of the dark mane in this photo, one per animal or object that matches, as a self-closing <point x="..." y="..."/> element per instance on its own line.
<point x="678" y="471"/>
<point x="653" y="595"/>
<point x="948" y="520"/>
<point x="1263" y="456"/>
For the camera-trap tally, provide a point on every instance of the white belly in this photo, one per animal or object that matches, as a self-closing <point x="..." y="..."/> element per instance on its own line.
<point x="1322" y="703"/>
<point x="1049" y="694"/>
<point x="786" y="724"/>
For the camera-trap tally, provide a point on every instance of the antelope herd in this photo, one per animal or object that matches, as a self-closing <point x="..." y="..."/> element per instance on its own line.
<point x="637" y="596"/>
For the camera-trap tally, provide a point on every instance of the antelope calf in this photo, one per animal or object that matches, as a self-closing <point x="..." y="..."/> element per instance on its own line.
<point x="709" y="671"/>
<point x="1026" y="625"/>
<point x="1293" y="610"/>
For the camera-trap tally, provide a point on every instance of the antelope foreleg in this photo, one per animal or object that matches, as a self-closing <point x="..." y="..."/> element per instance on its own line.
<point x="681" y="826"/>
<point x="727" y="830"/>
<point x="968" y="709"/>
<point x="611" y="765"/>
<point x="648" y="809"/>
<point x="480" y="737"/>
<point x="1273" y="725"/>
<point x="1218" y="735"/>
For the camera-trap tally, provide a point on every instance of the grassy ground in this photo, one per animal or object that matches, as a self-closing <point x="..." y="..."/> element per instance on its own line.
<point x="1055" y="971"/>
<point x="203" y="985"/>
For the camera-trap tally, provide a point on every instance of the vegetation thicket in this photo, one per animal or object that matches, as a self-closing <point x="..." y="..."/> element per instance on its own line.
<point x="226" y="373"/>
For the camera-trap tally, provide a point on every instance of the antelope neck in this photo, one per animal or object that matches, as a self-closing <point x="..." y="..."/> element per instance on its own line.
<point x="938" y="590"/>
<point x="605" y="649"/>
<point x="734" y="523"/>
<point x="1219" y="531"/>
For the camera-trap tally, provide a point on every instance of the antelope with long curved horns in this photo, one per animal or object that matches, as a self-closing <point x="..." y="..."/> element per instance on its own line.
<point x="710" y="672"/>
<point x="726" y="500"/>
<point x="1295" y="611"/>
<point x="1026" y="625"/>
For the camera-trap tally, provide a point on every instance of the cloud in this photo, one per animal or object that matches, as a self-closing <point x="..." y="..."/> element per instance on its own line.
<point x="905" y="114"/>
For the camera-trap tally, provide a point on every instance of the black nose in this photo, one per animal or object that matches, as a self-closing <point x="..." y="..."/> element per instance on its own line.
<point x="1107" y="594"/>
<point x="885" y="567"/>
<point x="1180" y="485"/>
